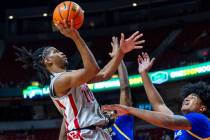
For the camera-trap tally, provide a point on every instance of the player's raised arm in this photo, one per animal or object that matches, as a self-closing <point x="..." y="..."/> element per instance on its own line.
<point x="77" y="77"/>
<point x="169" y="121"/>
<point x="145" y="63"/>
<point x="125" y="93"/>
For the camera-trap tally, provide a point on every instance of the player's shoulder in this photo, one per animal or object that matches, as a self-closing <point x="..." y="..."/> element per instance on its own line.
<point x="196" y="115"/>
<point x="56" y="83"/>
<point x="198" y="118"/>
<point x="55" y="76"/>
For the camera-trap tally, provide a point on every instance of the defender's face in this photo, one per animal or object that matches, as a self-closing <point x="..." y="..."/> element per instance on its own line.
<point x="57" y="57"/>
<point x="192" y="103"/>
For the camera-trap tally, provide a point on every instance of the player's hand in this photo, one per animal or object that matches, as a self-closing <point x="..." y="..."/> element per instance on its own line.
<point x="133" y="42"/>
<point x="115" y="46"/>
<point x="67" y="30"/>
<point x="110" y="114"/>
<point x="144" y="62"/>
<point x="121" y="109"/>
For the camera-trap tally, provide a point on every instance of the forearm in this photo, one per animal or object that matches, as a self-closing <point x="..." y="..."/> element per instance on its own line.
<point x="112" y="65"/>
<point x="125" y="93"/>
<point x="123" y="75"/>
<point x="153" y="95"/>
<point x="173" y="122"/>
<point x="88" y="59"/>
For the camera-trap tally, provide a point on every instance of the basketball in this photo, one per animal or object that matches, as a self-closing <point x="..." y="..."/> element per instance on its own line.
<point x="68" y="10"/>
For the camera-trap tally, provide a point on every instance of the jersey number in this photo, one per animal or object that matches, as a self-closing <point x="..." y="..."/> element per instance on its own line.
<point x="88" y="95"/>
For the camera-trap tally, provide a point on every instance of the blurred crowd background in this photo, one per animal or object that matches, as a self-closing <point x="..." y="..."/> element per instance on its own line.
<point x="177" y="34"/>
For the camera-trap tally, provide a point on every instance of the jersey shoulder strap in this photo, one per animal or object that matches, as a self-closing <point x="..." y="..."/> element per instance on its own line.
<point x="121" y="132"/>
<point x="51" y="87"/>
<point x="196" y="136"/>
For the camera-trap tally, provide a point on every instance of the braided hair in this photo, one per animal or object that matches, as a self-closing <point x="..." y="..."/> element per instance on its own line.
<point x="34" y="61"/>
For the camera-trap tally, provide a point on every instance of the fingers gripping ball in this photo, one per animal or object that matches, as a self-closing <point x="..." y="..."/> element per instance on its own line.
<point x="67" y="11"/>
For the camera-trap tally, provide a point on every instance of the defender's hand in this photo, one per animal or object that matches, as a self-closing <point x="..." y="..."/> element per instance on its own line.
<point x="115" y="46"/>
<point x="133" y="42"/>
<point x="121" y="109"/>
<point x="144" y="62"/>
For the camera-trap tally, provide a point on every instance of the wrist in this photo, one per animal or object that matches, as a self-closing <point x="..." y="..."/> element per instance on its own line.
<point x="143" y="72"/>
<point x="120" y="51"/>
<point x="75" y="37"/>
<point x="129" y="110"/>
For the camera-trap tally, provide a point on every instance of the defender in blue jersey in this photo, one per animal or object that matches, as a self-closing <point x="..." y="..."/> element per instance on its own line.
<point x="200" y="128"/>
<point x="193" y="125"/>
<point x="123" y="127"/>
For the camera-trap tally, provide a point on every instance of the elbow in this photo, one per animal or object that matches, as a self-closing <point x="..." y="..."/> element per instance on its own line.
<point x="169" y="123"/>
<point x="95" y="70"/>
<point x="106" y="76"/>
<point x="92" y="69"/>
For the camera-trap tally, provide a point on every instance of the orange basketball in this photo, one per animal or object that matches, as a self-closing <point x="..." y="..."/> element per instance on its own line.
<point x="68" y="10"/>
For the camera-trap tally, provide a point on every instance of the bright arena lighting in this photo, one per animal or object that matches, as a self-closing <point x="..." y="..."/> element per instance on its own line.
<point x="44" y="14"/>
<point x="157" y="77"/>
<point x="134" y="4"/>
<point x="10" y="17"/>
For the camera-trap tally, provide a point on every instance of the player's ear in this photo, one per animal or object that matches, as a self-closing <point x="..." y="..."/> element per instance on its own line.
<point x="47" y="61"/>
<point x="203" y="108"/>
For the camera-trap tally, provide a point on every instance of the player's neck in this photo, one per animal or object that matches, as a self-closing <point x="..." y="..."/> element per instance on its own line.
<point x="56" y="70"/>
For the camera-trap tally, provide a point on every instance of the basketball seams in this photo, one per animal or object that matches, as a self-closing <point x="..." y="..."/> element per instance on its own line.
<point x="78" y="12"/>
<point x="64" y="11"/>
<point x="68" y="11"/>
<point x="59" y="10"/>
<point x="64" y="4"/>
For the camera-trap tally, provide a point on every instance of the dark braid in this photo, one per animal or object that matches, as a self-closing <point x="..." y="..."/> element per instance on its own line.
<point x="34" y="61"/>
